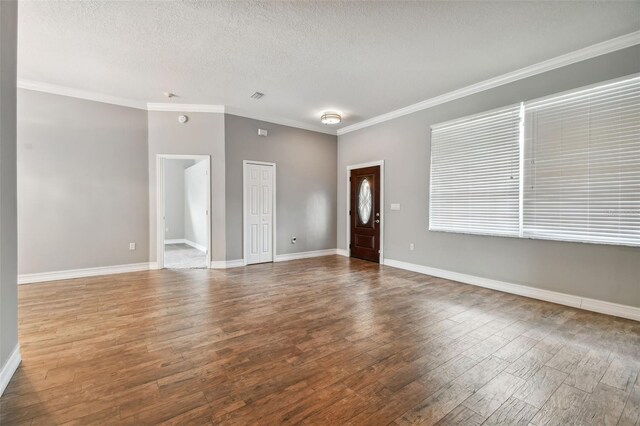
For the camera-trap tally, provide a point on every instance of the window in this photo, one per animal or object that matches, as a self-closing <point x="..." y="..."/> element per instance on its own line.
<point x="565" y="167"/>
<point x="582" y="165"/>
<point x="364" y="201"/>
<point x="475" y="174"/>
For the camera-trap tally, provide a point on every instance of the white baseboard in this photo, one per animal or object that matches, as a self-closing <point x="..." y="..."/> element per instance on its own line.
<point x="342" y="252"/>
<point x="153" y="266"/>
<point x="226" y="264"/>
<point x="195" y="245"/>
<point x="221" y="264"/>
<point x="9" y="368"/>
<point x="600" y="306"/>
<point x="82" y="273"/>
<point x="187" y="242"/>
<point x="304" y="255"/>
<point x="175" y="241"/>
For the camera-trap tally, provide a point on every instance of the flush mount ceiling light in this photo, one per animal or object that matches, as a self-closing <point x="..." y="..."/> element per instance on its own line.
<point x="169" y="95"/>
<point x="330" y="118"/>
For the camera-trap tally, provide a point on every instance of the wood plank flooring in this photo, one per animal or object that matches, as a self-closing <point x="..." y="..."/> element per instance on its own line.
<point x="320" y="341"/>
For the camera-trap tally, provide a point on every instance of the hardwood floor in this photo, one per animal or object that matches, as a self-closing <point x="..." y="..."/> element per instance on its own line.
<point x="320" y="341"/>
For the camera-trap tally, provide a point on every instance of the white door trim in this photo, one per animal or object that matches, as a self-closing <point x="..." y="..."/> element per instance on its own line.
<point x="245" y="245"/>
<point x="382" y="212"/>
<point x="160" y="214"/>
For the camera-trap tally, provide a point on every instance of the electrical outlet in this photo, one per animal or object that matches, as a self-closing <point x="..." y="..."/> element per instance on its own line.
<point x="294" y="240"/>
<point x="412" y="246"/>
<point x="132" y="246"/>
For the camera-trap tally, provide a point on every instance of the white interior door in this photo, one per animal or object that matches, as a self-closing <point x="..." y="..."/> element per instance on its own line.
<point x="258" y="210"/>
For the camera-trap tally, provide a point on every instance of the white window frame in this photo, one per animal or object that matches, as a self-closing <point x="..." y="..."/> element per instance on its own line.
<point x="521" y="142"/>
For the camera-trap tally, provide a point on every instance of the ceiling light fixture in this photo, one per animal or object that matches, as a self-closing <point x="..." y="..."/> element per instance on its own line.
<point x="169" y="95"/>
<point x="330" y="118"/>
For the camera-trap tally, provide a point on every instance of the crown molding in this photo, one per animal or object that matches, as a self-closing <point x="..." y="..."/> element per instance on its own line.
<point x="605" y="47"/>
<point x="185" y="107"/>
<point x="163" y="106"/>
<point x="77" y="93"/>
<point x="281" y="121"/>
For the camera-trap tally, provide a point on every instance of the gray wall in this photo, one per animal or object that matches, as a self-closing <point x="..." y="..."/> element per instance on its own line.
<point x="203" y="134"/>
<point x="82" y="183"/>
<point x="305" y="183"/>
<point x="8" y="252"/>
<point x="174" y="189"/>
<point x="609" y="273"/>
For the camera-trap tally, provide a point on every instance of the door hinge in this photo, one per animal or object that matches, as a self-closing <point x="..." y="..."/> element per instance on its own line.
<point x="349" y="212"/>
<point x="349" y="245"/>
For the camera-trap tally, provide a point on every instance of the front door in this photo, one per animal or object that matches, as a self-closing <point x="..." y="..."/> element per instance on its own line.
<point x="364" y="212"/>
<point x="258" y="211"/>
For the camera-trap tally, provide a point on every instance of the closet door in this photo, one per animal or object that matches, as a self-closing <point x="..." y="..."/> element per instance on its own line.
<point x="258" y="213"/>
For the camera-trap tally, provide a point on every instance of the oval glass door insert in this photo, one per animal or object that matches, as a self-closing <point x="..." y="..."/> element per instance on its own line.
<point x="364" y="201"/>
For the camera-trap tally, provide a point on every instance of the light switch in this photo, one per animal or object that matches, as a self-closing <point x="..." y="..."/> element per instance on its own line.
<point x="395" y="206"/>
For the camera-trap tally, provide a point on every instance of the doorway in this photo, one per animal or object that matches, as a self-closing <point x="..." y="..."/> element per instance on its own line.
<point x="365" y="201"/>
<point x="259" y="212"/>
<point x="184" y="206"/>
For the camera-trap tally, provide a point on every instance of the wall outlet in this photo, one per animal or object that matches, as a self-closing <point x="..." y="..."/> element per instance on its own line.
<point x="294" y="240"/>
<point x="132" y="246"/>
<point x="412" y="246"/>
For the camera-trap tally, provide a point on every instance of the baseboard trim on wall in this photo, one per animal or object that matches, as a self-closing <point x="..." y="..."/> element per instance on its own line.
<point x="9" y="368"/>
<point x="342" y="252"/>
<point x="187" y="242"/>
<point x="222" y="264"/>
<point x="226" y="264"/>
<point x="195" y="245"/>
<point x="593" y="305"/>
<point x="82" y="273"/>
<point x="175" y="241"/>
<point x="304" y="255"/>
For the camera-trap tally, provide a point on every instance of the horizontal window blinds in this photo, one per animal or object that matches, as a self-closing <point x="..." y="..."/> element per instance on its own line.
<point x="475" y="165"/>
<point x="582" y="165"/>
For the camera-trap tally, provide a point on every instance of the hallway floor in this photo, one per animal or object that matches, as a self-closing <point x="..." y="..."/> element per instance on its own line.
<point x="183" y="256"/>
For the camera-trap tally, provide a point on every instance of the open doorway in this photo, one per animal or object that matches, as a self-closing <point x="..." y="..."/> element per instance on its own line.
<point x="184" y="237"/>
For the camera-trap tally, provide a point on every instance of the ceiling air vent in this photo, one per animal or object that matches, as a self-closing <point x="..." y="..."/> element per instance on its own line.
<point x="257" y="95"/>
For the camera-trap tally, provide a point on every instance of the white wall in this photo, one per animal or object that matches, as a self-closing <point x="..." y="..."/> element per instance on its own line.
<point x="8" y="237"/>
<point x="195" y="203"/>
<point x="174" y="197"/>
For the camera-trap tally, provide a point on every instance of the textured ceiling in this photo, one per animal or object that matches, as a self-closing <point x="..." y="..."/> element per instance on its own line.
<point x="359" y="58"/>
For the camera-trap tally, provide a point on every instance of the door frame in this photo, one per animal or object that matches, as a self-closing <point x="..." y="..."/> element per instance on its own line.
<point x="382" y="215"/>
<point x="160" y="197"/>
<point x="245" y="243"/>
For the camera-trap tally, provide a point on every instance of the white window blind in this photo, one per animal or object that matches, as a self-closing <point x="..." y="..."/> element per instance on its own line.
<point x="475" y="165"/>
<point x="582" y="165"/>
